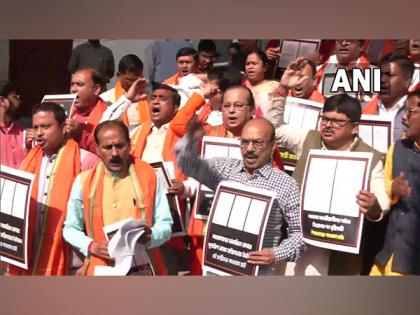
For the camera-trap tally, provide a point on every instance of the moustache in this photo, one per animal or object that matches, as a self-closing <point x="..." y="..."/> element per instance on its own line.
<point x="115" y="159"/>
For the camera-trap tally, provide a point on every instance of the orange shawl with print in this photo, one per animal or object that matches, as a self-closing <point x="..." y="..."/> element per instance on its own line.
<point x="49" y="257"/>
<point x="142" y="106"/>
<point x="92" y="187"/>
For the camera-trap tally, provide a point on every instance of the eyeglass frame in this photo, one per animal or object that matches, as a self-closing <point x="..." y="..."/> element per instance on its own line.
<point x="256" y="143"/>
<point x="335" y="123"/>
<point x="237" y="107"/>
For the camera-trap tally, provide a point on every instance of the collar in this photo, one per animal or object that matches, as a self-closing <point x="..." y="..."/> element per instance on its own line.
<point x="264" y="171"/>
<point x="352" y="146"/>
<point x="3" y="126"/>
<point x="397" y="106"/>
<point x="115" y="175"/>
<point x="164" y="127"/>
<point x="50" y="157"/>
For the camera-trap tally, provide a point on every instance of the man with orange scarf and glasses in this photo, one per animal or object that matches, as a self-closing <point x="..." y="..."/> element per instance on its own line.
<point x="56" y="161"/>
<point x="119" y="187"/>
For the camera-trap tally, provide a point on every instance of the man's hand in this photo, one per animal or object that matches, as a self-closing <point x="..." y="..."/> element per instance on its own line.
<point x="292" y="77"/>
<point x="368" y="204"/>
<point x="272" y="53"/>
<point x="136" y="91"/>
<point x="29" y="137"/>
<point x="146" y="237"/>
<point x="400" y="187"/>
<point x="262" y="257"/>
<point x="210" y="89"/>
<point x="99" y="249"/>
<point x="195" y="130"/>
<point x="177" y="187"/>
<point x="73" y="128"/>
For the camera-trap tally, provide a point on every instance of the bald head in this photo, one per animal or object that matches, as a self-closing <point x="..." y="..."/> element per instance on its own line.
<point x="257" y="143"/>
<point x="263" y="126"/>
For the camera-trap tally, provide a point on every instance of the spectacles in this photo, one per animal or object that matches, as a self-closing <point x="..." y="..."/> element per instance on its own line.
<point x="236" y="107"/>
<point x="256" y="143"/>
<point x="335" y="123"/>
<point x="411" y="111"/>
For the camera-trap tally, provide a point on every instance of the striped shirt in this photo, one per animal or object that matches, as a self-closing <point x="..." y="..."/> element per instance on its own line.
<point x="285" y="209"/>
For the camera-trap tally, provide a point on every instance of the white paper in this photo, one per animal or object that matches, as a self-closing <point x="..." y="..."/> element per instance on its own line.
<point x="376" y="131"/>
<point x="302" y="114"/>
<point x="288" y="53"/>
<point x="318" y="185"/>
<point x="19" y="202"/>
<point x="238" y="212"/>
<point x="221" y="216"/>
<point x="347" y="184"/>
<point x="214" y="147"/>
<point x="255" y="216"/>
<point x="123" y="247"/>
<point x="307" y="48"/>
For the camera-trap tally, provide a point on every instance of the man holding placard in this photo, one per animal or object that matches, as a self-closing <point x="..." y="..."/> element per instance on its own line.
<point x="237" y="107"/>
<point x="338" y="131"/>
<point x="257" y="145"/>
<point x="56" y="160"/>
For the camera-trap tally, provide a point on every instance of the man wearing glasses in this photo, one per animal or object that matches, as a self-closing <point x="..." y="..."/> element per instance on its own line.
<point x="237" y="106"/>
<point x="255" y="170"/>
<point x="338" y="131"/>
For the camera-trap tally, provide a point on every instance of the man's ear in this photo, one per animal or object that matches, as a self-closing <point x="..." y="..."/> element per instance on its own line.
<point x="355" y="129"/>
<point x="97" y="89"/>
<point x="176" y="108"/>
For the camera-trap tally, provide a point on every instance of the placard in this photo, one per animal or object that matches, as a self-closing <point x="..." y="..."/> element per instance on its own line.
<point x="290" y="49"/>
<point x="236" y="226"/>
<point x="178" y="228"/>
<point x="330" y="216"/>
<point x="300" y="114"/>
<point x="376" y="131"/>
<point x="64" y="100"/>
<point x="15" y="192"/>
<point x="213" y="147"/>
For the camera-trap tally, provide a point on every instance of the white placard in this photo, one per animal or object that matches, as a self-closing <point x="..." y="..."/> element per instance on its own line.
<point x="16" y="186"/>
<point x="330" y="216"/>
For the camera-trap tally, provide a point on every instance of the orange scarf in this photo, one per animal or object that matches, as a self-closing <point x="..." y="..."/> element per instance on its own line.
<point x="139" y="141"/>
<point x="173" y="79"/>
<point x="94" y="116"/>
<point x="142" y="106"/>
<point x="204" y="113"/>
<point x="372" y="107"/>
<point x="50" y="255"/>
<point x="144" y="185"/>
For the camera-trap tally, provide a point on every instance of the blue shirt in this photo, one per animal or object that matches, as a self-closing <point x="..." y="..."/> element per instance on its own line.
<point x="74" y="233"/>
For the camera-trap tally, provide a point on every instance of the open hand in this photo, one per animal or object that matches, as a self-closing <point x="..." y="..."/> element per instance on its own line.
<point x="401" y="187"/>
<point x="136" y="91"/>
